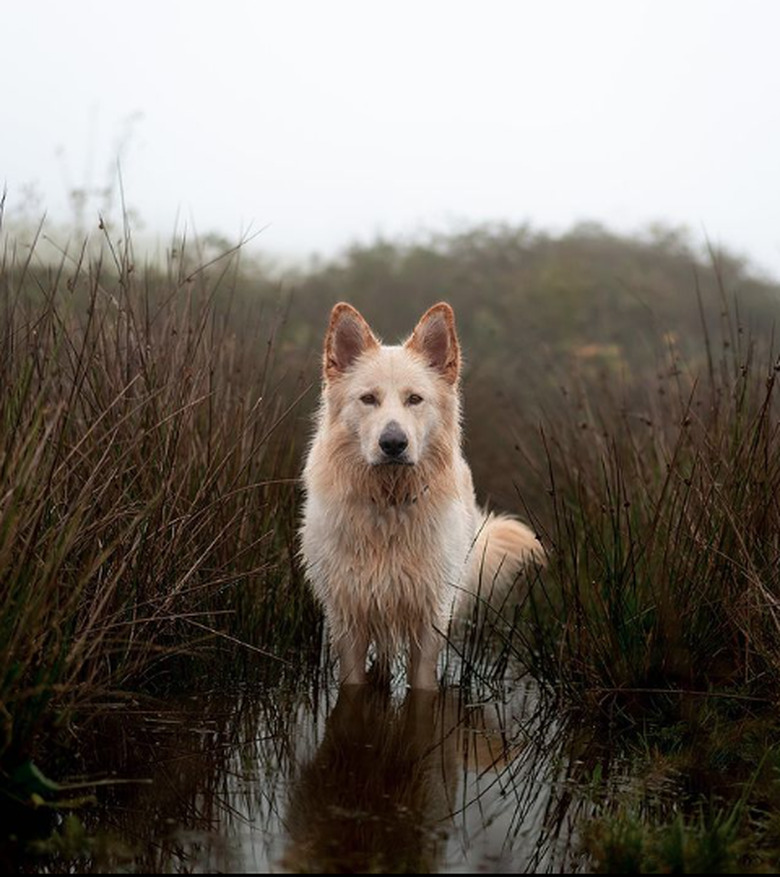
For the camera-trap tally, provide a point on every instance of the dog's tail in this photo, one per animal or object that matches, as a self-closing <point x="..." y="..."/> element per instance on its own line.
<point x="503" y="547"/>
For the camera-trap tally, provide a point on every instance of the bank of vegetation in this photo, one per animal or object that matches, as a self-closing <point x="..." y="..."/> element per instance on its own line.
<point x="621" y="393"/>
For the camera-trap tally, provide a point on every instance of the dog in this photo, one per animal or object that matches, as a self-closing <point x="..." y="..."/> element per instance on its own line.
<point x="393" y="542"/>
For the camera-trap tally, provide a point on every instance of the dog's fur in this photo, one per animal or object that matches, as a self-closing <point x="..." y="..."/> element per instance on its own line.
<point x="392" y="539"/>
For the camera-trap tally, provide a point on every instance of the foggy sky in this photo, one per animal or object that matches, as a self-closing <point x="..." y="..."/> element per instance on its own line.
<point x="326" y="122"/>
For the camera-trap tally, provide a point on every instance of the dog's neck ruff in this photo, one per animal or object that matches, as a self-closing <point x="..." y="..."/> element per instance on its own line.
<point x="408" y="499"/>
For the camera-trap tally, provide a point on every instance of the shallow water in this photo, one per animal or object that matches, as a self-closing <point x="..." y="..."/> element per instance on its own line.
<point x="361" y="780"/>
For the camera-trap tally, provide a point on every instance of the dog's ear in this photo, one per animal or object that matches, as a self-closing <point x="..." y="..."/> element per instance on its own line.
<point x="347" y="337"/>
<point x="435" y="339"/>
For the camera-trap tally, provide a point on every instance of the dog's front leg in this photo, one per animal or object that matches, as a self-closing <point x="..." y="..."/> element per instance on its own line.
<point x="423" y="656"/>
<point x="352" y="650"/>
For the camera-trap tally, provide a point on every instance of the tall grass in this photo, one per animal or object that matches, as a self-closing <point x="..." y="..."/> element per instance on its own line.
<point x="148" y="458"/>
<point x="663" y="522"/>
<point x="146" y="481"/>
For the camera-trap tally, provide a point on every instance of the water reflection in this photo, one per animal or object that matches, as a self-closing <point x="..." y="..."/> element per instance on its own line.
<point x="361" y="780"/>
<point x="380" y="792"/>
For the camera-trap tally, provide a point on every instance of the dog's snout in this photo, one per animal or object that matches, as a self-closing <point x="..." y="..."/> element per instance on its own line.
<point x="393" y="440"/>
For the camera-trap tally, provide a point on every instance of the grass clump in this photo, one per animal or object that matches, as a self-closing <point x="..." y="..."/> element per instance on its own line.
<point x="146" y="483"/>
<point x="655" y="622"/>
<point x="663" y="523"/>
<point x="625" y="843"/>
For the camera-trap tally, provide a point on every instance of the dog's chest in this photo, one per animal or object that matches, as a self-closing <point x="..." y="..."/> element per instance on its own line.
<point x="371" y="545"/>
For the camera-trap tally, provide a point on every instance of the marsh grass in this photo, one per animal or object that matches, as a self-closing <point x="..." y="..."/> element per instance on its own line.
<point x="656" y="618"/>
<point x="151" y="429"/>
<point x="147" y="490"/>
<point x="624" y="844"/>
<point x="663" y="528"/>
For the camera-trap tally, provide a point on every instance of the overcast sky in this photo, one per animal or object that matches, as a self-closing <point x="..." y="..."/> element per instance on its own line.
<point x="331" y="121"/>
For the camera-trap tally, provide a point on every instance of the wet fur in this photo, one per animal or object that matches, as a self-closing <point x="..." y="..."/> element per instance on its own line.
<point x="393" y="551"/>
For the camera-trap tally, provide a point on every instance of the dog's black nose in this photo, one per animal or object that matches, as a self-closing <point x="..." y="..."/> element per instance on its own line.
<point x="393" y="440"/>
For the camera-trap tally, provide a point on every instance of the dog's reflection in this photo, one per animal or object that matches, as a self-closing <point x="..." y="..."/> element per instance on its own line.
<point x="380" y="792"/>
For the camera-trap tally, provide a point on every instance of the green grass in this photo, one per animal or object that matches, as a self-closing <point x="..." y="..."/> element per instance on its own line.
<point x="625" y="844"/>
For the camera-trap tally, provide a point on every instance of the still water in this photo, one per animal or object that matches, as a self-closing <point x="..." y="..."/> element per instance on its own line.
<point x="320" y="780"/>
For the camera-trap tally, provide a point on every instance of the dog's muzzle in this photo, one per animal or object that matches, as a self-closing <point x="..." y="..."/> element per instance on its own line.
<point x="393" y="442"/>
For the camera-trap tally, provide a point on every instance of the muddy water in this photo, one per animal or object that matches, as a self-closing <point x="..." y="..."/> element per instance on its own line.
<point x="360" y="780"/>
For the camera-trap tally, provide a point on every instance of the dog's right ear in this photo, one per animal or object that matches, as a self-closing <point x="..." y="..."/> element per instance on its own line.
<point x="348" y="336"/>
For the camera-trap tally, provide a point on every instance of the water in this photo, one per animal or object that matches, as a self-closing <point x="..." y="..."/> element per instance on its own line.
<point x="361" y="780"/>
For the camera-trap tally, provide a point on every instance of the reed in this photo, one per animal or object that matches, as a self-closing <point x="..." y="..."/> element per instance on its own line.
<point x="663" y="524"/>
<point x="147" y="482"/>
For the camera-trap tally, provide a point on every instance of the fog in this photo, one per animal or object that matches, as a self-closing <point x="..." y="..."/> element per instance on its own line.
<point x="326" y="123"/>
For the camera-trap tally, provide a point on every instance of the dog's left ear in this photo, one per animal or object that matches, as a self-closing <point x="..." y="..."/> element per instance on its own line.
<point x="435" y="339"/>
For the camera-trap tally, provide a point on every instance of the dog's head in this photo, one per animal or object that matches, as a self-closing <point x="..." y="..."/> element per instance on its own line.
<point x="393" y="402"/>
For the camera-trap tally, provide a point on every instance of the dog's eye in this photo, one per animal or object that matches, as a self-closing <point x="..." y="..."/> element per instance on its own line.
<point x="369" y="399"/>
<point x="414" y="399"/>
